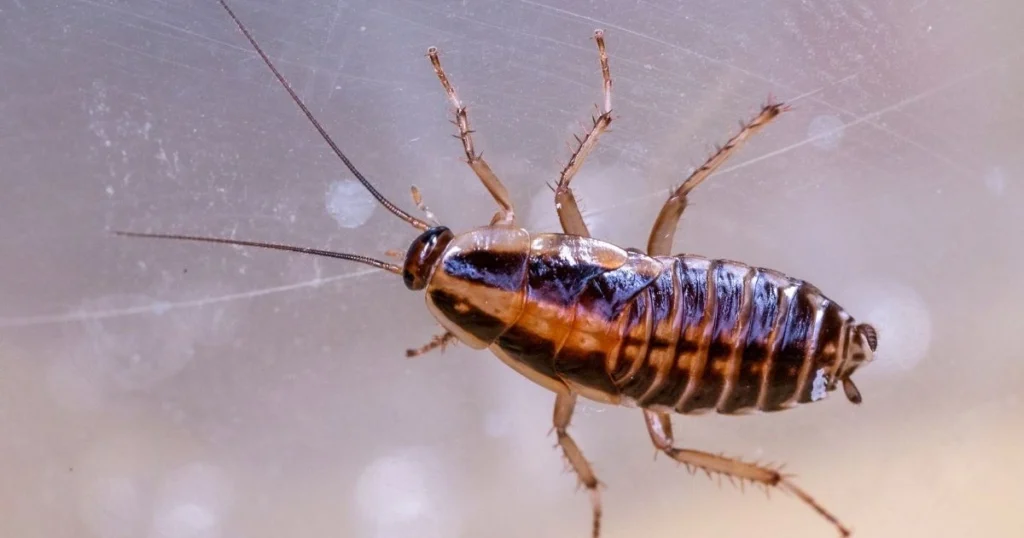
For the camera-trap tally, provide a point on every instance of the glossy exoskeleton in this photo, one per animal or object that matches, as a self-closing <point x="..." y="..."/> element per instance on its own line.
<point x="582" y="317"/>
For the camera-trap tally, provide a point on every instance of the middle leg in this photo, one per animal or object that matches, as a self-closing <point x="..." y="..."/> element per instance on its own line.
<point x="664" y="229"/>
<point x="565" y="202"/>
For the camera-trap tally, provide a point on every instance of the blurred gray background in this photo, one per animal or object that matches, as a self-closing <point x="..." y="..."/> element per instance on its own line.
<point x="163" y="389"/>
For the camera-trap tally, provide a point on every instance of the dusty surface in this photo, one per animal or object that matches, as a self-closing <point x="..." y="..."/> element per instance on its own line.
<point x="177" y="390"/>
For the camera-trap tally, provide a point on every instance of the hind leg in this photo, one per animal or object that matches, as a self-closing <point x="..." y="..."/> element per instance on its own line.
<point x="565" y="201"/>
<point x="506" y="213"/>
<point x="664" y="229"/>
<point x="659" y="426"/>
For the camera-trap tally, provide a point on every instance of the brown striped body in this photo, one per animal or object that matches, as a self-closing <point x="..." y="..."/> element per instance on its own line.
<point x="677" y="333"/>
<point x="582" y="317"/>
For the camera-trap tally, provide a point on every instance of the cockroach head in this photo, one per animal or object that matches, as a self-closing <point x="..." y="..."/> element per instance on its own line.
<point x="863" y="343"/>
<point x="424" y="252"/>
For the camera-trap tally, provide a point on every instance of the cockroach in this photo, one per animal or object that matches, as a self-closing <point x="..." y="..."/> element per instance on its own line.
<point x="579" y="316"/>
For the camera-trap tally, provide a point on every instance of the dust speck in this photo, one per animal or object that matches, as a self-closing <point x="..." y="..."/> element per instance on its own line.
<point x="161" y="307"/>
<point x="117" y="354"/>
<point x="191" y="501"/>
<point x="903" y="321"/>
<point x="995" y="181"/>
<point x="818" y="386"/>
<point x="402" y="495"/>
<point x="185" y="520"/>
<point x="825" y="132"/>
<point x="349" y="203"/>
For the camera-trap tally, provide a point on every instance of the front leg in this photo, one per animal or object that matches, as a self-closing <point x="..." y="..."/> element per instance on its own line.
<point x="565" y="202"/>
<point x="664" y="229"/>
<point x="506" y="213"/>
<point x="440" y="341"/>
<point x="565" y="404"/>
<point x="659" y="426"/>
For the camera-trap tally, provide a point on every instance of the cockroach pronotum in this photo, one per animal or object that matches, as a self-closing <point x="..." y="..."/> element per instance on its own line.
<point x="581" y="317"/>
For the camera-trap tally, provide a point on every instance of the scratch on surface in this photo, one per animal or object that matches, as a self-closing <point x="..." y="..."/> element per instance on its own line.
<point x="865" y="119"/>
<point x="624" y="30"/>
<point x="214" y="41"/>
<point x="856" y="121"/>
<point x="872" y="115"/>
<point x="160" y="308"/>
<point x="901" y="137"/>
<point x="158" y="22"/>
<point x="148" y="55"/>
<point x="812" y="93"/>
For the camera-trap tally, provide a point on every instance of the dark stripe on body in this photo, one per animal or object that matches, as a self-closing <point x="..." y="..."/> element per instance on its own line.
<point x="474" y="321"/>
<point x="826" y="353"/>
<point x="501" y="270"/>
<point x="536" y="352"/>
<point x="559" y="280"/>
<point x="737" y="338"/>
<point x="699" y="298"/>
<point x="665" y="309"/>
<point x="784" y="372"/>
<point x="764" y="309"/>
<point x="603" y="300"/>
<point x="776" y="335"/>
<point x="554" y="280"/>
<point x="687" y="296"/>
<point x="659" y="305"/>
<point x="639" y="317"/>
<point x="500" y="275"/>
<point x="727" y="285"/>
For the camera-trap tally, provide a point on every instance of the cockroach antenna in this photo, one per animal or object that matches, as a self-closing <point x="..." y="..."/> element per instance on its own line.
<point x="583" y="317"/>
<point x="416" y="223"/>
<point x="274" y="246"/>
<point x="395" y="210"/>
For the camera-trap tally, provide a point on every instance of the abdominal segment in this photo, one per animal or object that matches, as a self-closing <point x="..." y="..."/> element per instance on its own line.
<point x="702" y="335"/>
<point x="683" y="334"/>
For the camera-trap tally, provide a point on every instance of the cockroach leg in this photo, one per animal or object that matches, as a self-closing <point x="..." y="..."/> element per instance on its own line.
<point x="506" y="215"/>
<point x="417" y="198"/>
<point x="565" y="404"/>
<point x="565" y="202"/>
<point x="659" y="426"/>
<point x="664" y="229"/>
<point x="439" y="341"/>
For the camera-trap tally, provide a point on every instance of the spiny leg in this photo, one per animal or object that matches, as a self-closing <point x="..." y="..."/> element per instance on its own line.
<point x="439" y="341"/>
<point x="565" y="201"/>
<point x="664" y="229"/>
<point x="506" y="215"/>
<point x="659" y="426"/>
<point x="565" y="404"/>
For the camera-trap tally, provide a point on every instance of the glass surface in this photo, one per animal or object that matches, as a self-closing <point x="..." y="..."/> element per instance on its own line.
<point x="165" y="389"/>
